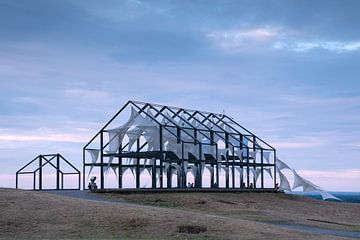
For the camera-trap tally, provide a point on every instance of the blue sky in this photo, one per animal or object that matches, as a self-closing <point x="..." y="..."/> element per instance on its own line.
<point x="287" y="70"/>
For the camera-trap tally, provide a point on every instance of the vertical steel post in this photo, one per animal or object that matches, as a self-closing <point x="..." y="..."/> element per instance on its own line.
<point x="40" y="172"/>
<point x="262" y="168"/>
<point x="254" y="160"/>
<point x="247" y="168"/>
<point x="62" y="181"/>
<point x="16" y="181"/>
<point x="161" y="156"/>
<point x="274" y="168"/>
<point x="227" y="161"/>
<point x="169" y="176"/>
<point x="120" y="168"/>
<point x="233" y="168"/>
<point x="79" y="179"/>
<point x="83" y="173"/>
<point x="241" y="162"/>
<point x="57" y="171"/>
<point x="102" y="160"/>
<point x="137" y="170"/>
<point x="34" y="181"/>
<point x="153" y="175"/>
<point x="180" y="174"/>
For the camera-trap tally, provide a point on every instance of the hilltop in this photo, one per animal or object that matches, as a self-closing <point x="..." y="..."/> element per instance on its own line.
<point x="35" y="215"/>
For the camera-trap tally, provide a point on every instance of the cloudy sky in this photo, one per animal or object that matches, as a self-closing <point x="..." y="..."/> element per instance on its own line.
<point x="287" y="70"/>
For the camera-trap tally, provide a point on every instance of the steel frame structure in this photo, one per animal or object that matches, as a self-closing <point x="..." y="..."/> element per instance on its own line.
<point x="44" y="160"/>
<point x="188" y="127"/>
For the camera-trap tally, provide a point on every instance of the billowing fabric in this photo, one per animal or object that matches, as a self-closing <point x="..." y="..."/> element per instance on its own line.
<point x="193" y="170"/>
<point x="253" y="154"/>
<point x="299" y="181"/>
<point x="326" y="195"/>
<point x="185" y="165"/>
<point x="116" y="137"/>
<point x="266" y="156"/>
<point x="94" y="153"/>
<point x="268" y="170"/>
<point x="134" y="135"/>
<point x="284" y="183"/>
<point x="239" y="153"/>
<point x="281" y="165"/>
<point x="151" y="135"/>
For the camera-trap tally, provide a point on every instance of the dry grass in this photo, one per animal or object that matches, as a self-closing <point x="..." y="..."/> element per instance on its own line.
<point x="40" y="215"/>
<point x="260" y="207"/>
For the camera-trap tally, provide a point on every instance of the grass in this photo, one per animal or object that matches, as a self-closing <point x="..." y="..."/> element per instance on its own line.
<point x="40" y="215"/>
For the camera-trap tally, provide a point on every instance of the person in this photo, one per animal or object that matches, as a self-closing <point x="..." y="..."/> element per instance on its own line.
<point x="215" y="185"/>
<point x="277" y="188"/>
<point x="92" y="184"/>
<point x="251" y="185"/>
<point x="189" y="185"/>
<point x="192" y="185"/>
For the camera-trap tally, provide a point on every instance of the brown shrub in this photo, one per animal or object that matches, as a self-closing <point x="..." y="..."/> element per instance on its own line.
<point x="192" y="229"/>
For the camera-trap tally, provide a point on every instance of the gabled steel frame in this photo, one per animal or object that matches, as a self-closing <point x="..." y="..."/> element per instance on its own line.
<point x="43" y="160"/>
<point x="206" y="122"/>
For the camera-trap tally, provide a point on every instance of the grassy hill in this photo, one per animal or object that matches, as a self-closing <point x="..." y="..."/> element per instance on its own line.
<point x="42" y="215"/>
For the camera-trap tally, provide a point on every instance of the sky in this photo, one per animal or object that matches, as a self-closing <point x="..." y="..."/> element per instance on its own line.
<point x="287" y="70"/>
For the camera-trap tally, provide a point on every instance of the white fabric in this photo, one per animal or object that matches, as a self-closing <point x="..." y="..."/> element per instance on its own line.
<point x="116" y="136"/>
<point x="241" y="172"/>
<point x="226" y="169"/>
<point x="193" y="170"/>
<point x="151" y="135"/>
<point x="134" y="135"/>
<point x="239" y="153"/>
<point x="211" y="170"/>
<point x="181" y="122"/>
<point x="165" y="120"/>
<point x="94" y="153"/>
<point x="304" y="183"/>
<point x="298" y="181"/>
<point x="208" y="149"/>
<point x="257" y="174"/>
<point x="202" y="167"/>
<point x="245" y="141"/>
<point x="253" y="154"/>
<point x="185" y="165"/>
<point x="266" y="156"/>
<point x="268" y="170"/>
<point x="284" y="183"/>
<point x="281" y="165"/>
<point x="114" y="169"/>
<point x="172" y="145"/>
<point x="177" y="169"/>
<point x="194" y="123"/>
<point x="234" y="141"/>
<point x="166" y="165"/>
<point x="326" y="195"/>
<point x="124" y="169"/>
<point x="222" y="152"/>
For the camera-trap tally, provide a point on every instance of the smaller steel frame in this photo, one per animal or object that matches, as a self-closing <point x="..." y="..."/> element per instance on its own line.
<point x="43" y="160"/>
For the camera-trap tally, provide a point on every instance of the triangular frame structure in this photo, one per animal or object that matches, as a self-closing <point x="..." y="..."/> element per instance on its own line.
<point x="47" y="159"/>
<point x="180" y="139"/>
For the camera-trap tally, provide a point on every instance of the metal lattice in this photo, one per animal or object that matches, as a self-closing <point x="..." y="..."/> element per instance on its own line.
<point x="167" y="140"/>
